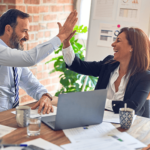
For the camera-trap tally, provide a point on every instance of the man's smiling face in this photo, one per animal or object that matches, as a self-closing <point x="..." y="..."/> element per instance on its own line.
<point x="20" y="34"/>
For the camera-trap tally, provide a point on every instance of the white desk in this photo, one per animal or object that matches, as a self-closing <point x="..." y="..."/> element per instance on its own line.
<point x="140" y="129"/>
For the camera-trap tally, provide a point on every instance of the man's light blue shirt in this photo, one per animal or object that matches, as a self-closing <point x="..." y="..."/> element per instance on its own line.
<point x="27" y="80"/>
<point x="17" y="58"/>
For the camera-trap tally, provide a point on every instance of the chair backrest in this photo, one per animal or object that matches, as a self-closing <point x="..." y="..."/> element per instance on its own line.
<point x="147" y="107"/>
<point x="148" y="97"/>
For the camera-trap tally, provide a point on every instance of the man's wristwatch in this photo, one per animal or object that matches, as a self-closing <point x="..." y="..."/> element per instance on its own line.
<point x="48" y="95"/>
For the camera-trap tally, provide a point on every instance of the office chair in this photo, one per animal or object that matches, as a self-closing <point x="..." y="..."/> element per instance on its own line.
<point x="147" y="107"/>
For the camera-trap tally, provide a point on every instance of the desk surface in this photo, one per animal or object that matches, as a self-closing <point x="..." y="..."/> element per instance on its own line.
<point x="140" y="130"/>
<point x="20" y="135"/>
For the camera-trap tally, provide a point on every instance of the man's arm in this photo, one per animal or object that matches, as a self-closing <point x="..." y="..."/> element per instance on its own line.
<point x="16" y="58"/>
<point x="35" y="89"/>
<point x="44" y="103"/>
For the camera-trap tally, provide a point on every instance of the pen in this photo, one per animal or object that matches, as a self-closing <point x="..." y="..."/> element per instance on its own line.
<point x="85" y="127"/>
<point x="116" y="138"/>
<point x="19" y="145"/>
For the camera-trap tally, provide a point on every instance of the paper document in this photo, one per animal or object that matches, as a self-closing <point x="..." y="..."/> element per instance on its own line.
<point x="104" y="9"/>
<point x="5" y="130"/>
<point x="111" y="117"/>
<point x="107" y="33"/>
<point x="41" y="143"/>
<point x="129" y="140"/>
<point x="101" y="130"/>
<point x="141" y="129"/>
<point x="128" y="10"/>
<point x="90" y="132"/>
<point x="95" y="144"/>
<point x="34" y="113"/>
<point x="12" y="148"/>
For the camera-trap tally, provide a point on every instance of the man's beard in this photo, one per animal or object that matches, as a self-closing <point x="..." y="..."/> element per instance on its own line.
<point x="15" y="42"/>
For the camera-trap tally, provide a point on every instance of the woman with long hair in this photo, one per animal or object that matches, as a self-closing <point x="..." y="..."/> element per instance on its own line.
<point x="125" y="75"/>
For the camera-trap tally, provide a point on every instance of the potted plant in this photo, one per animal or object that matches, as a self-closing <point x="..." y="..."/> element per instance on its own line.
<point x="71" y="81"/>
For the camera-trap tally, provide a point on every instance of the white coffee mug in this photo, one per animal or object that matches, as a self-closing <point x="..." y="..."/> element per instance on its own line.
<point x="22" y="112"/>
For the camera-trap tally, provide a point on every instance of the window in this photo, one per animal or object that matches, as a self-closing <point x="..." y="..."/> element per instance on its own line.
<point x="84" y="15"/>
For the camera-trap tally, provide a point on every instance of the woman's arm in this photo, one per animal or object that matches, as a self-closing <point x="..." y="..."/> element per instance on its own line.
<point x="76" y="64"/>
<point x="88" y="68"/>
<point x="82" y="67"/>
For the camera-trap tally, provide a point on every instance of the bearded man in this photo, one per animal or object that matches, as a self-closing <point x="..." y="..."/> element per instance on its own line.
<point x="14" y="27"/>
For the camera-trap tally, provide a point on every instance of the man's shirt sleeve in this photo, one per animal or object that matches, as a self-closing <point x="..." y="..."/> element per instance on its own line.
<point x="31" y="85"/>
<point x="18" y="58"/>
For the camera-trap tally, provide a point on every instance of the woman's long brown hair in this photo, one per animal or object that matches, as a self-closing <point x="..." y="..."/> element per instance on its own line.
<point x="140" y="59"/>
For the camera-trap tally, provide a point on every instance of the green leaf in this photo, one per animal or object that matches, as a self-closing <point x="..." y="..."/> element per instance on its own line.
<point x="62" y="90"/>
<point x="53" y="59"/>
<point x="64" y="81"/>
<point x="59" y="49"/>
<point x="61" y="75"/>
<point x="52" y="71"/>
<point x="83" y="79"/>
<point x="80" y="27"/>
<point x="85" y="29"/>
<point x="79" y="45"/>
<point x="72" y="39"/>
<point x="76" y="27"/>
<point x="93" y="80"/>
<point x="75" y="41"/>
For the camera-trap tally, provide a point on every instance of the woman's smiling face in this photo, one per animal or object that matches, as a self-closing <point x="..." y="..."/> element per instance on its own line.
<point x="122" y="49"/>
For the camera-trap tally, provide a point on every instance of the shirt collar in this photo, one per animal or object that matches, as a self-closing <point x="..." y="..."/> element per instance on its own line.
<point x="3" y="43"/>
<point x="117" y="70"/>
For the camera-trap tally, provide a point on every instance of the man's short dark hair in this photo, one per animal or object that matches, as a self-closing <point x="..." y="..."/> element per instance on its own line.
<point x="10" y="17"/>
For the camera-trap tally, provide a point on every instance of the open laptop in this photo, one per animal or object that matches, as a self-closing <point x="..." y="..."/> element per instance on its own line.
<point x="78" y="109"/>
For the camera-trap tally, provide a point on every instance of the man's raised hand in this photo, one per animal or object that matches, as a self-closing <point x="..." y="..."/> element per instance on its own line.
<point x="67" y="28"/>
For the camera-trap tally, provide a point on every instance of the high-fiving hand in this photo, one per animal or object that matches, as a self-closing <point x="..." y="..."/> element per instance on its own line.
<point x="67" y="29"/>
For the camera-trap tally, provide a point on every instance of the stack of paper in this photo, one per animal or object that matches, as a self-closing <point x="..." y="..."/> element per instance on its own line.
<point x="106" y="143"/>
<point x="12" y="148"/>
<point x="103" y="130"/>
<point x="34" y="113"/>
<point x="41" y="143"/>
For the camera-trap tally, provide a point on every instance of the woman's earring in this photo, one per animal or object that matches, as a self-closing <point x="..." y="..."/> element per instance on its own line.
<point x="130" y="51"/>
